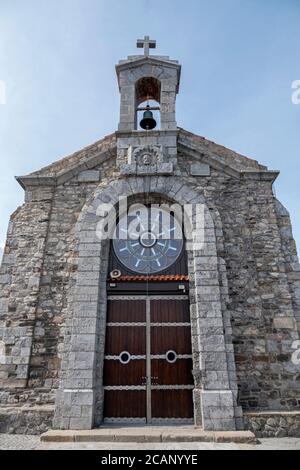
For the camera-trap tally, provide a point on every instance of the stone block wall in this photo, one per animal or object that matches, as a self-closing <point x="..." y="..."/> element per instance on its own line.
<point x="259" y="286"/>
<point x="268" y="424"/>
<point x="256" y="244"/>
<point x="261" y="303"/>
<point x="20" y="280"/>
<point x="33" y="420"/>
<point x="39" y="263"/>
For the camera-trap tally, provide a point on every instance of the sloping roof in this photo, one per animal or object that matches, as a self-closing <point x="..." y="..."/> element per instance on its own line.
<point x="218" y="152"/>
<point x="67" y="167"/>
<point x="198" y="147"/>
<point x="77" y="158"/>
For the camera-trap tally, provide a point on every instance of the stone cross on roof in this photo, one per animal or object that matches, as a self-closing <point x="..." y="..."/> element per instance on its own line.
<point x="147" y="44"/>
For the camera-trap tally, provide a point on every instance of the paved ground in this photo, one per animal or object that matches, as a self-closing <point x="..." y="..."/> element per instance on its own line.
<point x="12" y="442"/>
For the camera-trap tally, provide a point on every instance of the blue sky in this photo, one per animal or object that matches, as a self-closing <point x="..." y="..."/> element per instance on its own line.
<point x="239" y="60"/>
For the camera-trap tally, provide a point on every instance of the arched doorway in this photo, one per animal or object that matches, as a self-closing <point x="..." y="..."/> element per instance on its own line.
<point x="148" y="353"/>
<point x="215" y="387"/>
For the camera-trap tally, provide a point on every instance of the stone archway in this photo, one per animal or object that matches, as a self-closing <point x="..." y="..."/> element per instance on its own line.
<point x="213" y="359"/>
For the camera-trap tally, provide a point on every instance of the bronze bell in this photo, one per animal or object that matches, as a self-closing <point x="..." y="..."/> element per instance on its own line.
<point x="148" y="122"/>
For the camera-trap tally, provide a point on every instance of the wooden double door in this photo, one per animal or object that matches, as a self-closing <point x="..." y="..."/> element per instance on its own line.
<point x="148" y="360"/>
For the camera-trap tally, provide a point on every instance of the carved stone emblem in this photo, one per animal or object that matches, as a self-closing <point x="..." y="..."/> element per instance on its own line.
<point x="149" y="155"/>
<point x="146" y="160"/>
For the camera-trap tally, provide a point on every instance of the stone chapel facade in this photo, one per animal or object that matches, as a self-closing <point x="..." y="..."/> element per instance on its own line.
<point x="66" y="357"/>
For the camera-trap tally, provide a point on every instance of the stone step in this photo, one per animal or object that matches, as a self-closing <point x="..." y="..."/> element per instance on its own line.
<point x="149" y="434"/>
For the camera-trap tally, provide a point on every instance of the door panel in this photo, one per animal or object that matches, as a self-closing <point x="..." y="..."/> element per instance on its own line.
<point x="116" y="373"/>
<point x="125" y="338"/>
<point x="124" y="395"/>
<point x="172" y="404"/>
<point x="166" y="338"/>
<point x="178" y="373"/>
<point x="128" y="394"/>
<point x="126" y="311"/>
<point x="170" y="311"/>
<point x="176" y="402"/>
<point x="125" y="404"/>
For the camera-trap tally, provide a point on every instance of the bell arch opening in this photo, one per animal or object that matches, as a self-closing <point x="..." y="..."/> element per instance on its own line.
<point x="147" y="104"/>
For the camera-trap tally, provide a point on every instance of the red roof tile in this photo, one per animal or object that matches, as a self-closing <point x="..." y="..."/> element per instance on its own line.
<point x="152" y="278"/>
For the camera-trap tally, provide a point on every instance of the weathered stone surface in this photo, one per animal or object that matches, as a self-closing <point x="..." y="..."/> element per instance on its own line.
<point x="26" y="420"/>
<point x="273" y="424"/>
<point x="89" y="176"/>
<point x="199" y="169"/>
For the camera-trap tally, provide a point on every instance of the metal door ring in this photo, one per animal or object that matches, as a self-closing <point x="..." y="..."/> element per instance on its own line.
<point x="171" y="357"/>
<point x="125" y="357"/>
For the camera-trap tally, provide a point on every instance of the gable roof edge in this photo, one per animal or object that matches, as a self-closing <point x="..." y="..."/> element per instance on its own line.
<point x="63" y="176"/>
<point x="210" y="158"/>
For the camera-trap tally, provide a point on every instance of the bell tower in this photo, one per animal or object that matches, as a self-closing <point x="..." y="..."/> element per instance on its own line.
<point x="147" y="132"/>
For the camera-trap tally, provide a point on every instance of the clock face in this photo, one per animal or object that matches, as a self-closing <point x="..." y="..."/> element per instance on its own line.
<point x="149" y="241"/>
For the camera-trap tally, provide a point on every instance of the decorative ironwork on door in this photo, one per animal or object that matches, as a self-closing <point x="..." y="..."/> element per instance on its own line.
<point x="148" y="360"/>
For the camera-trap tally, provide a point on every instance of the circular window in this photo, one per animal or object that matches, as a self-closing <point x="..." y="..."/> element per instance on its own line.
<point x="148" y="241"/>
<point x="124" y="357"/>
<point x="171" y="357"/>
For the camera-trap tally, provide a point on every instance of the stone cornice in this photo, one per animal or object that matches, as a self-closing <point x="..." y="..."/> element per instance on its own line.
<point x="63" y="176"/>
<point x="154" y="133"/>
<point x="27" y="181"/>
<point x="151" y="60"/>
<point x="262" y="175"/>
<point x="205" y="156"/>
<point x="211" y="159"/>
